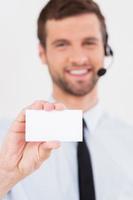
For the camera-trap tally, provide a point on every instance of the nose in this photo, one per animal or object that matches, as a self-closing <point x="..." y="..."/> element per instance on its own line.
<point x="78" y="57"/>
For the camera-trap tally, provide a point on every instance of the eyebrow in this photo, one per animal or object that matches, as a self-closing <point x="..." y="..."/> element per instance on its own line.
<point x="91" y="39"/>
<point x="59" y="41"/>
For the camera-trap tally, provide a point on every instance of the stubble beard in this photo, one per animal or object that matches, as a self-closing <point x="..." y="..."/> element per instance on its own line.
<point x="79" y="89"/>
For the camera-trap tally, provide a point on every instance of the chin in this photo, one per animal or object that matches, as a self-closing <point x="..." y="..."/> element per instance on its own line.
<point x="79" y="92"/>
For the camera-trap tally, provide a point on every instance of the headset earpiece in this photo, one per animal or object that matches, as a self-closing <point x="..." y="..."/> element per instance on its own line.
<point x="108" y="51"/>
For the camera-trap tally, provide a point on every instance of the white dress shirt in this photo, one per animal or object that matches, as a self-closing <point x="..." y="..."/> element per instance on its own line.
<point x="111" y="147"/>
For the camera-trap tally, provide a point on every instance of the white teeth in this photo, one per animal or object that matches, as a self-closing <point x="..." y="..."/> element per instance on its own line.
<point x="79" y="72"/>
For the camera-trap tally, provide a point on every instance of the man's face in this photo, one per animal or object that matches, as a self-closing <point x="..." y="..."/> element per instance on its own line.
<point x="74" y="53"/>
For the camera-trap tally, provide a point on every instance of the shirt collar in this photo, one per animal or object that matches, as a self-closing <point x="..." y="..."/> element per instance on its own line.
<point x="92" y="117"/>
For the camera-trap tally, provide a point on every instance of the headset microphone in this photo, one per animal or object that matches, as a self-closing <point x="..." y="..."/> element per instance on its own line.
<point x="101" y="72"/>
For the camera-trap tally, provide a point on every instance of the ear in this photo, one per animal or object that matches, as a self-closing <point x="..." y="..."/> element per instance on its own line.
<point x="42" y="53"/>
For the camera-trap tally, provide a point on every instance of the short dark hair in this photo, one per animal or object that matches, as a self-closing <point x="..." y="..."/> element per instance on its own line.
<point x="60" y="9"/>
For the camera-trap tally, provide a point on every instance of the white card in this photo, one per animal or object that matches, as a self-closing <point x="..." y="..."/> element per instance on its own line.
<point x="54" y="125"/>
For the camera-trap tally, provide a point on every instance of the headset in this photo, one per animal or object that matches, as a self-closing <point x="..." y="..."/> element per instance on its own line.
<point x="108" y="53"/>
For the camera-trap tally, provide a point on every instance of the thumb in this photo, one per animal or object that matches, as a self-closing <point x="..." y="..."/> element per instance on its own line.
<point x="45" y="149"/>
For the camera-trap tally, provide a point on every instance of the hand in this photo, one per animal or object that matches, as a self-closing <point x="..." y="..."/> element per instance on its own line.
<point x="19" y="158"/>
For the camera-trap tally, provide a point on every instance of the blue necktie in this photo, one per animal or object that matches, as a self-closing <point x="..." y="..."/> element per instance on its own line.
<point x="86" y="182"/>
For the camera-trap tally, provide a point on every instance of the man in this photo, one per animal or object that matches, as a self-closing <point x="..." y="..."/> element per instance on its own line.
<point x="73" y="43"/>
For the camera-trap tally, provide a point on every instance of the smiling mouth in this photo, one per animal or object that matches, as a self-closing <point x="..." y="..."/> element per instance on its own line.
<point x="79" y="72"/>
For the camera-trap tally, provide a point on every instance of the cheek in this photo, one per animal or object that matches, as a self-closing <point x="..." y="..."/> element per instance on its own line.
<point x="55" y="63"/>
<point x="99" y="59"/>
<point x="56" y="58"/>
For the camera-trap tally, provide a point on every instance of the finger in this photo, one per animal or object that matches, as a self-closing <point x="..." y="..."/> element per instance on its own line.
<point x="59" y="106"/>
<point x="43" y="105"/>
<point x="19" y="124"/>
<point x="51" y="144"/>
<point x="17" y="127"/>
<point x="48" y="106"/>
<point x="21" y="116"/>
<point x="37" y="105"/>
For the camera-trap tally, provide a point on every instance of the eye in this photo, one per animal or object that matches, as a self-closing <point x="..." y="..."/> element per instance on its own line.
<point x="89" y="43"/>
<point x="62" y="44"/>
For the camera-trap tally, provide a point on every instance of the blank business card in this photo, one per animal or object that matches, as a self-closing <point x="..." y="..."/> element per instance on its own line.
<point x="54" y="125"/>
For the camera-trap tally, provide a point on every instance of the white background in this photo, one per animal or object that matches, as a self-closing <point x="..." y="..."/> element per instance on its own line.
<point x="24" y="79"/>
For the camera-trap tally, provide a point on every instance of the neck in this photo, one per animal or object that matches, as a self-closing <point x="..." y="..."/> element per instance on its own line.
<point x="76" y="102"/>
